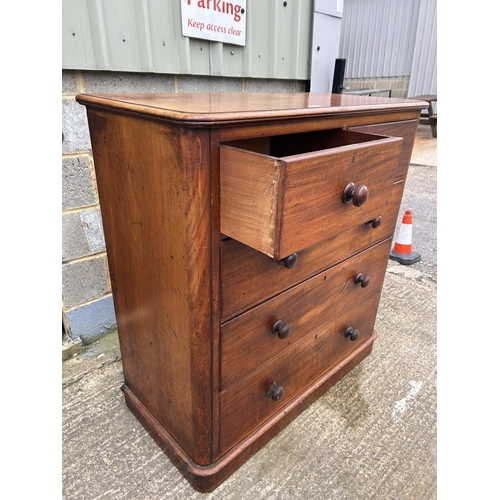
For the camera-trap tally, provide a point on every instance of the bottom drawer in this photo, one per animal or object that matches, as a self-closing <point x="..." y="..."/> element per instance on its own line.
<point x="245" y="406"/>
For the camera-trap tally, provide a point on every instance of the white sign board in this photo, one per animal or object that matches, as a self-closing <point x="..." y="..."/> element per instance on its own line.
<point x="216" y="20"/>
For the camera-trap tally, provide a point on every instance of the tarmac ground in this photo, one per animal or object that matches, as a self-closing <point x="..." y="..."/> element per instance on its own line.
<point x="372" y="436"/>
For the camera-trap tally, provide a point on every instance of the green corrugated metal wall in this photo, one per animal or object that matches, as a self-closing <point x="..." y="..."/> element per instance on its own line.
<point x="146" y="36"/>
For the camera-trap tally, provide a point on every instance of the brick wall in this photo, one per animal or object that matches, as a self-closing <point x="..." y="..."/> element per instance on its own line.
<point x="87" y="302"/>
<point x="88" y="311"/>
<point x="398" y="84"/>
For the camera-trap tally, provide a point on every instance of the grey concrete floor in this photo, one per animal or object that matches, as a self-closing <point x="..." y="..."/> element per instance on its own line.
<point x="372" y="436"/>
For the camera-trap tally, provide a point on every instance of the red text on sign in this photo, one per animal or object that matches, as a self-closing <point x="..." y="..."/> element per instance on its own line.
<point x="220" y="6"/>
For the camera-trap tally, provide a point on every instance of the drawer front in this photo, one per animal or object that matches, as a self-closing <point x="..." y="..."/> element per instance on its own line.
<point x="279" y="206"/>
<point x="308" y="309"/>
<point x="245" y="406"/>
<point x="313" y="207"/>
<point x="406" y="129"/>
<point x="249" y="277"/>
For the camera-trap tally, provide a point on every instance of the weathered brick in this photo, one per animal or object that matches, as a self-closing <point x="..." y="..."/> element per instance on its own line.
<point x="75" y="127"/>
<point x="382" y="83"/>
<point x="84" y="280"/>
<point x="68" y="82"/>
<point x="263" y="85"/>
<point x="77" y="185"/>
<point x="200" y="83"/>
<point x="91" y="321"/>
<point x="403" y="83"/>
<point x="300" y="86"/>
<point x="118" y="82"/>
<point x="82" y="234"/>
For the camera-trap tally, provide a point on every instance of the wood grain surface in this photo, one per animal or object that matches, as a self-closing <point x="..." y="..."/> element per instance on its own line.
<point x="309" y="308"/>
<point x="249" y="277"/>
<point x="283" y="205"/>
<point x="157" y="220"/>
<point x="246" y="405"/>
<point x="404" y="129"/>
<point x="234" y="108"/>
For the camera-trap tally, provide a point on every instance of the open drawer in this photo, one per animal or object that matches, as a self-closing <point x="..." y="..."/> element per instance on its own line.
<point x="282" y="194"/>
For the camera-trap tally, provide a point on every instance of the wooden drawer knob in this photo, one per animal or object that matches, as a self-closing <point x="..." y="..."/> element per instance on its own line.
<point x="364" y="280"/>
<point x="358" y="196"/>
<point x="290" y="261"/>
<point x="275" y="391"/>
<point x="282" y="329"/>
<point x="375" y="222"/>
<point x="351" y="332"/>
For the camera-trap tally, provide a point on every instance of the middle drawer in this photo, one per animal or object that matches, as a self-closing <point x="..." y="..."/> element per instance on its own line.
<point x="249" y="277"/>
<point x="248" y="341"/>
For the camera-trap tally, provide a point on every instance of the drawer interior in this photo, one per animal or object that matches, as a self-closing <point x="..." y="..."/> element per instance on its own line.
<point x="303" y="143"/>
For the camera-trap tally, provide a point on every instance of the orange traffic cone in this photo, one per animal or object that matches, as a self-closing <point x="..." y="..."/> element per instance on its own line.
<point x="402" y="251"/>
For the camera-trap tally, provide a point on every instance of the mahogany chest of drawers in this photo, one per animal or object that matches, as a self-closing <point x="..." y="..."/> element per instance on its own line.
<point x="247" y="239"/>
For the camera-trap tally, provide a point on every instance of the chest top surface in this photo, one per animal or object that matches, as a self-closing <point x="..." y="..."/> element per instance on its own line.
<point x="212" y="109"/>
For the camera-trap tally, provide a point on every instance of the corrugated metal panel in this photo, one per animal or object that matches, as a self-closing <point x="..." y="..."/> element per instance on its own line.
<point x="146" y="36"/>
<point x="377" y="38"/>
<point x="423" y="78"/>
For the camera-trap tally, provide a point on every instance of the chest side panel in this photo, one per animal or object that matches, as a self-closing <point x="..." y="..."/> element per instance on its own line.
<point x="153" y="182"/>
